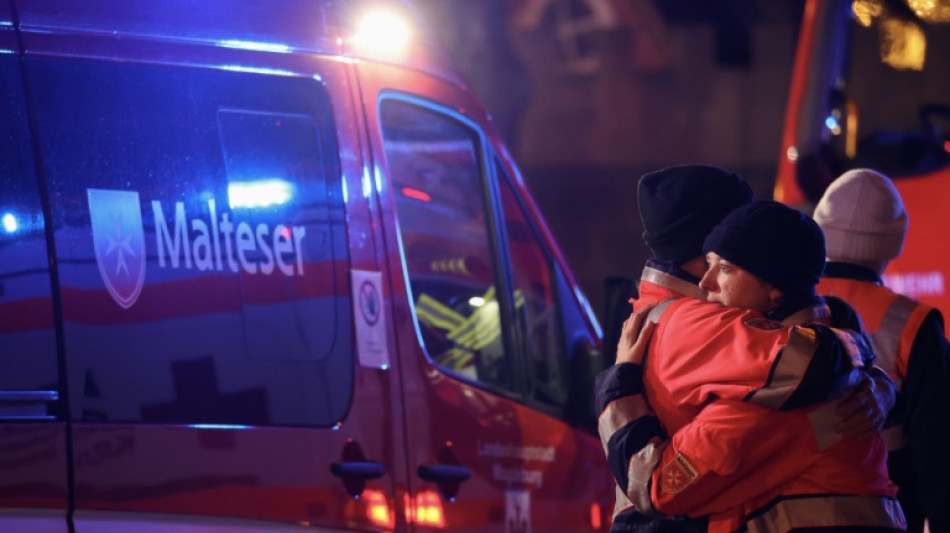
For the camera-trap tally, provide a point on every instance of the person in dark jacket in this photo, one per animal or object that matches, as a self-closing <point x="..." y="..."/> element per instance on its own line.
<point x="864" y="221"/>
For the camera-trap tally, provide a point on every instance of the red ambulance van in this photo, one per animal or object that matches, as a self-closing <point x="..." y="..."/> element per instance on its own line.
<point x="265" y="266"/>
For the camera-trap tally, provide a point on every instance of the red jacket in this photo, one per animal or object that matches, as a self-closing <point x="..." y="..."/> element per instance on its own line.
<point x="728" y="456"/>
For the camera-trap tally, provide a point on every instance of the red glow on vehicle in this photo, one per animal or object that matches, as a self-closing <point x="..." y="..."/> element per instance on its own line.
<point x="377" y="510"/>
<point x="428" y="510"/>
<point x="416" y="194"/>
<point x="946" y="146"/>
<point x="595" y="515"/>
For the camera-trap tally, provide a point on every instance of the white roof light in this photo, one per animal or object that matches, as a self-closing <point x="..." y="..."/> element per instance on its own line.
<point x="382" y="32"/>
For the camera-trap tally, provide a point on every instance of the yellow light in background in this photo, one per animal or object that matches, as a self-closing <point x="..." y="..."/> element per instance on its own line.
<point x="936" y="11"/>
<point x="903" y="45"/>
<point x="866" y="10"/>
<point x="851" y="127"/>
<point x="383" y="33"/>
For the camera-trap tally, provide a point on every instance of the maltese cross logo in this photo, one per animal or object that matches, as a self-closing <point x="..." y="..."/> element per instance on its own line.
<point x="119" y="242"/>
<point x="677" y="474"/>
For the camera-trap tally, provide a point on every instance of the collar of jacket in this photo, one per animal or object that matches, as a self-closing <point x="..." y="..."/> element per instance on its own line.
<point x="673" y="278"/>
<point x="817" y="311"/>
<point x="851" y="271"/>
<point x="672" y="269"/>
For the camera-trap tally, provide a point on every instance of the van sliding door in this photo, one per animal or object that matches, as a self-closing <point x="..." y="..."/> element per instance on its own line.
<point x="33" y="451"/>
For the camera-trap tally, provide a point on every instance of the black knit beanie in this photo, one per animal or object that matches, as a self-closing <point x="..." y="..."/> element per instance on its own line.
<point x="680" y="205"/>
<point x="776" y="243"/>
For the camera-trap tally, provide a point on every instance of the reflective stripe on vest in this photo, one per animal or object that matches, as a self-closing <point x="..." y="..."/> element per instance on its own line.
<point x="640" y="471"/>
<point x="829" y="511"/>
<point x="886" y="339"/>
<point x="655" y="313"/>
<point x="788" y="370"/>
<point x="619" y="413"/>
<point x="622" y="411"/>
<point x="886" y="342"/>
<point x="673" y="283"/>
<point x="621" y="502"/>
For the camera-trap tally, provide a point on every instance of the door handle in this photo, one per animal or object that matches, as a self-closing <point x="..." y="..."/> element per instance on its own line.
<point x="362" y="470"/>
<point x="27" y="404"/>
<point x="439" y="473"/>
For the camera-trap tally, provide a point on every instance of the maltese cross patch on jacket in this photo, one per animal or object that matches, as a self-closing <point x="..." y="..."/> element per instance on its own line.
<point x="677" y="474"/>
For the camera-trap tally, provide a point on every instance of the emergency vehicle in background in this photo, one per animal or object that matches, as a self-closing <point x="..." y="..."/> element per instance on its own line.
<point x="869" y="89"/>
<point x="266" y="266"/>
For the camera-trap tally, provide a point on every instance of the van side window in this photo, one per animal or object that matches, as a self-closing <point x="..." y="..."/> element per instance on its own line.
<point x="439" y="190"/>
<point x="535" y="301"/>
<point x="27" y="337"/>
<point x="200" y="231"/>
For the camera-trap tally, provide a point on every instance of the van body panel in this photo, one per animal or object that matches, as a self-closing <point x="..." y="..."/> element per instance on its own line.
<point x="33" y="483"/>
<point x="273" y="475"/>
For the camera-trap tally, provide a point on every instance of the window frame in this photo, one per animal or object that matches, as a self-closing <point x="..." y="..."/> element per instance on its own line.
<point x="489" y="162"/>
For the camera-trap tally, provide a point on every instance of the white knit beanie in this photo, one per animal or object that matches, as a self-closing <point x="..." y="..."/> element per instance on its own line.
<point x="863" y="219"/>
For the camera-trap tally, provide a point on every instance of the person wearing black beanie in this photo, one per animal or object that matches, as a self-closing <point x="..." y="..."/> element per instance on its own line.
<point x="680" y="205"/>
<point x="702" y="351"/>
<point x="780" y="255"/>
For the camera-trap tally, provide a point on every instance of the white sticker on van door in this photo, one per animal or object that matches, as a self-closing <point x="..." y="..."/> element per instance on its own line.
<point x="517" y="511"/>
<point x="370" y="319"/>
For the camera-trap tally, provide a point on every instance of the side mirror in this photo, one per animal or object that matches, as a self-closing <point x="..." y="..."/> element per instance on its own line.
<point x="617" y="294"/>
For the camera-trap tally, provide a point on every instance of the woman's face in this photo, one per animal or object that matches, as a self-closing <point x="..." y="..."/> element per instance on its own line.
<point x="726" y="283"/>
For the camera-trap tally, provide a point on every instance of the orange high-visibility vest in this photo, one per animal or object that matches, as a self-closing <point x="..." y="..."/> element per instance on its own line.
<point x="891" y="320"/>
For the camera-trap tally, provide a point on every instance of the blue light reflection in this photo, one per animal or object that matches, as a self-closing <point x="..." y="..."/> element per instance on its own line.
<point x="255" y="70"/>
<point x="832" y="123"/>
<point x="259" y="193"/>
<point x="253" y="45"/>
<point x="218" y="426"/>
<point x="367" y="184"/>
<point x="9" y="222"/>
<point x="379" y="181"/>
